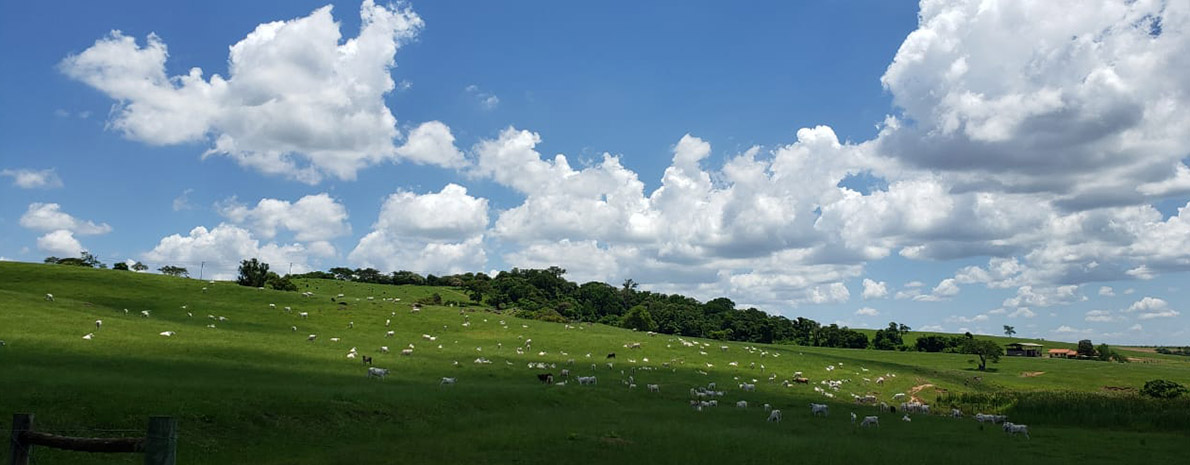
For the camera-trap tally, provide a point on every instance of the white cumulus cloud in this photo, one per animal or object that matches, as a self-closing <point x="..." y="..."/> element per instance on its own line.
<point x="60" y="243"/>
<point x="874" y="289"/>
<point x="50" y="217"/>
<point x="33" y="179"/>
<point x="298" y="99"/>
<point x="316" y="217"/>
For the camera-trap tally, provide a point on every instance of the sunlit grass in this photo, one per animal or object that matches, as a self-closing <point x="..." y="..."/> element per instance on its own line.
<point x="251" y="390"/>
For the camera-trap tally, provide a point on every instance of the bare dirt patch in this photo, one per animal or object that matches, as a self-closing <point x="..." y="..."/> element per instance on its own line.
<point x="1031" y="374"/>
<point x="913" y="391"/>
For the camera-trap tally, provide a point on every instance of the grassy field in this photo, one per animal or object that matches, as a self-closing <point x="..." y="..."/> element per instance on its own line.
<point x="252" y="390"/>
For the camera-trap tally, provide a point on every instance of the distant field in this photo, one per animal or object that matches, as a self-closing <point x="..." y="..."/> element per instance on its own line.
<point x="252" y="390"/>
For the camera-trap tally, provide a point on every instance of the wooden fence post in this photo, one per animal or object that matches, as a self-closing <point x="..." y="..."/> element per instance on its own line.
<point x="161" y="446"/>
<point x="18" y="452"/>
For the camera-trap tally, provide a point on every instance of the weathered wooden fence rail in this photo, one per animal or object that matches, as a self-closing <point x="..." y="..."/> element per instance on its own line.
<point x="159" y="445"/>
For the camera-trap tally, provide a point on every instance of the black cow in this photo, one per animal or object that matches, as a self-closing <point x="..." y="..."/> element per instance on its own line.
<point x="611" y="355"/>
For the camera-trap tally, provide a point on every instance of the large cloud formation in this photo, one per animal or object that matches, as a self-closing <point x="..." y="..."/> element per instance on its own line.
<point x="296" y="101"/>
<point x="1035" y="136"/>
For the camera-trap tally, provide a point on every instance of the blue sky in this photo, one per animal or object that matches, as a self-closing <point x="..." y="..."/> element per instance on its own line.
<point x="949" y="165"/>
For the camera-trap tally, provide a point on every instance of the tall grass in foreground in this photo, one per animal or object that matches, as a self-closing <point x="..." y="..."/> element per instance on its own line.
<point x="1117" y="411"/>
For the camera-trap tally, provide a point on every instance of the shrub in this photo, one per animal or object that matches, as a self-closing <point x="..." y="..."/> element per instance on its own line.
<point x="279" y="283"/>
<point x="1163" y="389"/>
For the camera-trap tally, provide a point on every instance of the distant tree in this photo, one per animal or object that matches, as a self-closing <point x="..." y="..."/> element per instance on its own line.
<point x="138" y="267"/>
<point x="477" y="289"/>
<point x="51" y="260"/>
<point x="968" y="335"/>
<point x="177" y="271"/>
<point x="1086" y="348"/>
<point x="983" y="348"/>
<point x="639" y="318"/>
<point x="1163" y="389"/>
<point x="889" y="338"/>
<point x="407" y="277"/>
<point x="1009" y="330"/>
<point x="341" y="273"/>
<point x="370" y="275"/>
<point x="253" y="273"/>
<point x="91" y="260"/>
<point x="933" y="343"/>
<point x="121" y="266"/>
<point x="903" y="329"/>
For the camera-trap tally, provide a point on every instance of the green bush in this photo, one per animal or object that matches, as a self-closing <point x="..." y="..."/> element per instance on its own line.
<point x="1163" y="389"/>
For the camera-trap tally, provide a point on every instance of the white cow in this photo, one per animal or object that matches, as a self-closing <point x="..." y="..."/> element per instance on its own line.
<point x="304" y="314"/>
<point x="167" y="333"/>
<point x="144" y="313"/>
<point x="89" y="336"/>
<point x="407" y="352"/>
<point x="1012" y="428"/>
<point x="311" y="337"/>
<point x="449" y="381"/>
<point x="653" y="388"/>
<point x="742" y="404"/>
<point x="378" y="373"/>
<point x="49" y="297"/>
<point x="390" y="334"/>
<point x="98" y="323"/>
<point x="775" y="415"/>
<point x="815" y="409"/>
<point x="870" y="420"/>
<point x="384" y="349"/>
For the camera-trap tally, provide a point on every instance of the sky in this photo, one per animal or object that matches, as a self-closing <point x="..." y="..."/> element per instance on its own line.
<point x="951" y="165"/>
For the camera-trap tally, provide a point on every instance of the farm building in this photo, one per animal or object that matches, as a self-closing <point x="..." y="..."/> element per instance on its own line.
<point x="1062" y="353"/>
<point x="1023" y="349"/>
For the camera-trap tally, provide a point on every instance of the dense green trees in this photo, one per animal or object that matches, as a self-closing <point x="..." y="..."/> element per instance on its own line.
<point x="890" y="338"/>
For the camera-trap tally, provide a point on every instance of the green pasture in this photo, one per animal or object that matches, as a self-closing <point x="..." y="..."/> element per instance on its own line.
<point x="252" y="390"/>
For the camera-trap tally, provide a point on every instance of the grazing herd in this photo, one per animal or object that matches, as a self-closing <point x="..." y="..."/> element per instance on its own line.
<point x="702" y="398"/>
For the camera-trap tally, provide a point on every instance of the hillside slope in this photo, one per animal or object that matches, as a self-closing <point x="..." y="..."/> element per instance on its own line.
<point x="253" y="390"/>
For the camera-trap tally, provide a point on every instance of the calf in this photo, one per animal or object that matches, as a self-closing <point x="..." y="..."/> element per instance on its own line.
<point x="775" y="416"/>
<point x="367" y="360"/>
<point x="611" y="355"/>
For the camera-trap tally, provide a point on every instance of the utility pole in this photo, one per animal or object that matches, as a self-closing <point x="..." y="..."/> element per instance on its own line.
<point x="290" y="269"/>
<point x="201" y="266"/>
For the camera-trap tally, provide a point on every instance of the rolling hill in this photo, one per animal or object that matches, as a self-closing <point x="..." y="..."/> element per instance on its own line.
<point x="254" y="390"/>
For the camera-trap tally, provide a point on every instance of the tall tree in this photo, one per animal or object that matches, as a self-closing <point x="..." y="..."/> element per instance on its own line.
<point x="253" y="273"/>
<point x="1009" y="330"/>
<point x="985" y="349"/>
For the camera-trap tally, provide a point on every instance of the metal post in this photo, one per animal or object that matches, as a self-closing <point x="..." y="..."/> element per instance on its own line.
<point x="201" y="266"/>
<point x="18" y="452"/>
<point x="161" y="447"/>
